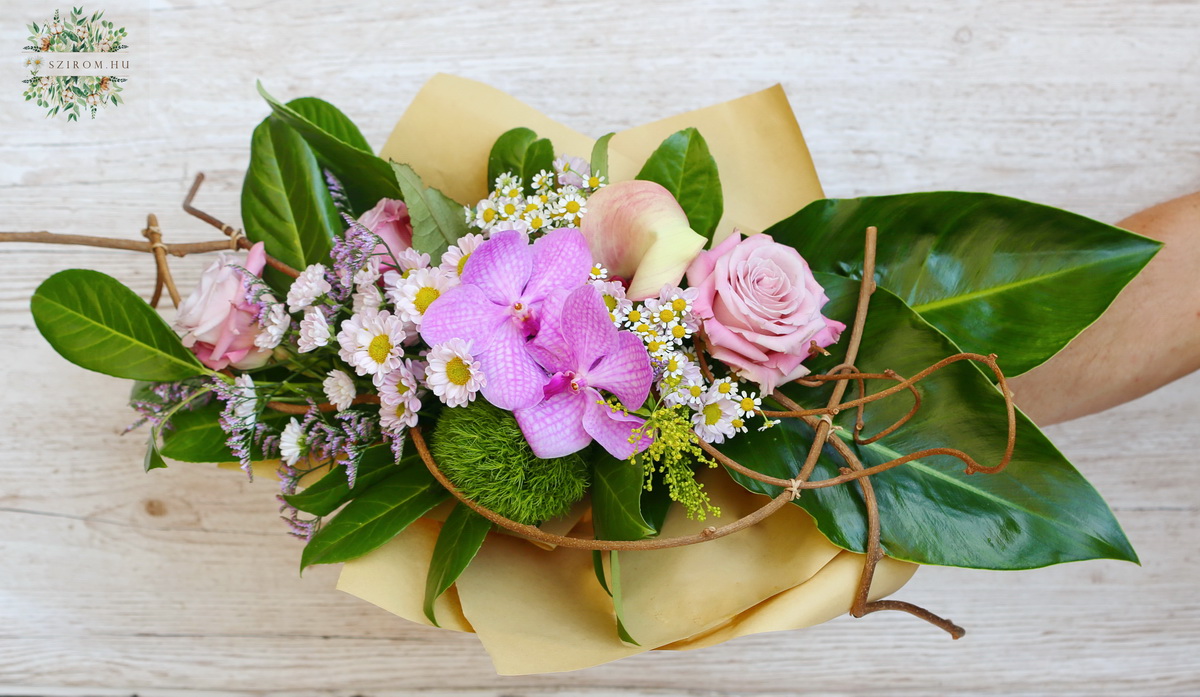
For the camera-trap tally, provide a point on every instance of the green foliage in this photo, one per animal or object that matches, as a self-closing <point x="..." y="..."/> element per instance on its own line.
<point x="600" y="156"/>
<point x="683" y="165"/>
<point x="521" y="152"/>
<point x="1039" y="511"/>
<point x="195" y="435"/>
<point x="481" y="449"/>
<point x="995" y="274"/>
<point x="617" y="488"/>
<point x="339" y="145"/>
<point x="671" y="456"/>
<point x="330" y="492"/>
<point x="375" y="516"/>
<point x="437" y="221"/>
<point x="285" y="201"/>
<point x="457" y="544"/>
<point x="97" y="323"/>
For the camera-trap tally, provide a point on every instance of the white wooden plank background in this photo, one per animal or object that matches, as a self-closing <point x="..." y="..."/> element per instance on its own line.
<point x="181" y="582"/>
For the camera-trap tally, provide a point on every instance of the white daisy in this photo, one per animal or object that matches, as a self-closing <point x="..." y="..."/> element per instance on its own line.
<point x="307" y="287"/>
<point x="748" y="404"/>
<point x="510" y="208"/>
<point x="453" y="373"/>
<point x="367" y="297"/>
<point x="486" y="214"/>
<point x="369" y="273"/>
<point x="689" y="391"/>
<point x="399" y="416"/>
<point x="245" y="404"/>
<point x="411" y="259"/>
<point x="455" y="258"/>
<point x="595" y="182"/>
<point x="275" y="323"/>
<point x="598" y="273"/>
<point x="571" y="208"/>
<point x="508" y="184"/>
<point x="543" y="181"/>
<point x="314" y="330"/>
<point x="293" y="443"/>
<point x="339" y="389"/>
<point x="713" y="420"/>
<point x="414" y="295"/>
<point x="402" y="384"/>
<point x="613" y="295"/>
<point x="725" y="388"/>
<point x="373" y="342"/>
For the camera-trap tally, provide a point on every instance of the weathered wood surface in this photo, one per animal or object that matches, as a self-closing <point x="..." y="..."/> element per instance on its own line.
<point x="182" y="582"/>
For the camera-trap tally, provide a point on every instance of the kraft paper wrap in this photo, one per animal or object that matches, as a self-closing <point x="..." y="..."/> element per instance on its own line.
<point x="537" y="610"/>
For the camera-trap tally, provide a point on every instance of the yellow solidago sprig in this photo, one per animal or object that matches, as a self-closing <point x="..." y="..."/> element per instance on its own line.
<point x="675" y="447"/>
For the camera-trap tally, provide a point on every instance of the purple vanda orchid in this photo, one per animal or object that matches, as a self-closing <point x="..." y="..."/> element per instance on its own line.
<point x="582" y="349"/>
<point x="498" y="307"/>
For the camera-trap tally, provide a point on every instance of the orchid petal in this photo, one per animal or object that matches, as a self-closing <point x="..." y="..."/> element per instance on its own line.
<point x="554" y="427"/>
<point x="586" y="326"/>
<point x="561" y="259"/>
<point x="463" y="313"/>
<point x="549" y="348"/>
<point x="625" y="371"/>
<point x="613" y="429"/>
<point x="514" y="380"/>
<point x="500" y="267"/>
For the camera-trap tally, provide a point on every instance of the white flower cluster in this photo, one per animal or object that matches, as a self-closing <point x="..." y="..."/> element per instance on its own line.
<point x="721" y="408"/>
<point x="559" y="200"/>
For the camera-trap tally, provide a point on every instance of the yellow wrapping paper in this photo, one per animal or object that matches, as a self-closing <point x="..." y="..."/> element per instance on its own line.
<point x="537" y="610"/>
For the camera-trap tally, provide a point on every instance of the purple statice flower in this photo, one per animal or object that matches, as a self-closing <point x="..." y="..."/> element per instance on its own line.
<point x="239" y="417"/>
<point x="345" y="440"/>
<point x="351" y="251"/>
<point x="336" y="192"/>
<point x="584" y="352"/>
<point x="168" y="394"/>
<point x="498" y="307"/>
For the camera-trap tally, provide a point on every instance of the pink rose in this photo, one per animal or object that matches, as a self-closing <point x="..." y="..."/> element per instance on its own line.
<point x="389" y="219"/>
<point x="217" y="322"/>
<point x="761" y="308"/>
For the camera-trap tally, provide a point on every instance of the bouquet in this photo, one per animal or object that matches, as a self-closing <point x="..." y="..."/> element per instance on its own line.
<point x="588" y="399"/>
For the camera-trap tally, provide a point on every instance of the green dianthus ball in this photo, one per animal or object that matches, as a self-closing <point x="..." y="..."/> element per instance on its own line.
<point x="480" y="448"/>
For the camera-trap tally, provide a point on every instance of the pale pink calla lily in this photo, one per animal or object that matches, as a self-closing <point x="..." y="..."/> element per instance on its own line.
<point x="637" y="230"/>
<point x="584" y="352"/>
<point x="498" y="306"/>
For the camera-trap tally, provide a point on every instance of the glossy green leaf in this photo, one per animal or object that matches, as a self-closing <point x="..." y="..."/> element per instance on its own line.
<point x="437" y="221"/>
<point x="618" y="598"/>
<point x="617" y="488"/>
<point x="339" y="146"/>
<point x="995" y="274"/>
<point x="683" y="165"/>
<point x="195" y="435"/>
<point x="153" y="460"/>
<point x="285" y="202"/>
<point x="457" y="544"/>
<point x="598" y="569"/>
<point x="521" y="152"/>
<point x="600" y="156"/>
<point x="97" y="323"/>
<point x="375" y="516"/>
<point x="1037" y="512"/>
<point x="330" y="492"/>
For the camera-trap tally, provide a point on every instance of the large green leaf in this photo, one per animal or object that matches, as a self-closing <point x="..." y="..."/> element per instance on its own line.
<point x="617" y="488"/>
<point x="285" y="202"/>
<point x="683" y="165"/>
<point x="521" y="152"/>
<point x="437" y="221"/>
<point x="328" y="493"/>
<point x="375" y="516"/>
<point x="340" y="147"/>
<point x="996" y="274"/>
<point x="195" y="435"/>
<point x="457" y="544"/>
<point x="1038" y="511"/>
<point x="97" y="323"/>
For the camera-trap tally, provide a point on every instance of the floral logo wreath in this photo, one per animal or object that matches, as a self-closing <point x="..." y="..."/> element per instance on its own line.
<point x="70" y="94"/>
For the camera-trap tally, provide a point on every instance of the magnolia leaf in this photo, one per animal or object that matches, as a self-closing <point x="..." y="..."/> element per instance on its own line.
<point x="97" y="323"/>
<point x="1039" y="511"/>
<point x="339" y="145"/>
<point x="521" y="152"/>
<point x="457" y="544"/>
<point x="995" y="274"/>
<point x="374" y="517"/>
<point x="600" y="156"/>
<point x="195" y="435"/>
<point x="330" y="492"/>
<point x="683" y="165"/>
<point x="617" y="488"/>
<point x="437" y="221"/>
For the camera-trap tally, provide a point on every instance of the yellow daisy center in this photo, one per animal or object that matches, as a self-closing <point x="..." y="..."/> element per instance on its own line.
<point x="738" y="423"/>
<point x="610" y="302"/>
<point x="712" y="414"/>
<point x="593" y="182"/>
<point x="380" y="348"/>
<point x="461" y="263"/>
<point x="725" y="387"/>
<point x="666" y="315"/>
<point x="457" y="371"/>
<point x="678" y="331"/>
<point x="635" y="316"/>
<point x="572" y="207"/>
<point x="679" y="304"/>
<point x="696" y="390"/>
<point x="425" y="297"/>
<point x="747" y="404"/>
<point x="489" y="215"/>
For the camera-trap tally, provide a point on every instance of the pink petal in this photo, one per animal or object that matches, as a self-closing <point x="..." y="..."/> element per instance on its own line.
<point x="514" y="380"/>
<point x="586" y="326"/>
<point x="256" y="259"/>
<point x="704" y="263"/>
<point x="500" y="267"/>
<point x="464" y="313"/>
<point x="549" y="348"/>
<point x="560" y="260"/>
<point x="611" y="429"/>
<point x="625" y="371"/>
<point x="555" y="427"/>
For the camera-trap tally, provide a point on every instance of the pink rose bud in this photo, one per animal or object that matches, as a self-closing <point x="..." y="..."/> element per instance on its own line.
<point x="761" y="308"/>
<point x="217" y="321"/>
<point x="389" y="219"/>
<point x="637" y="230"/>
